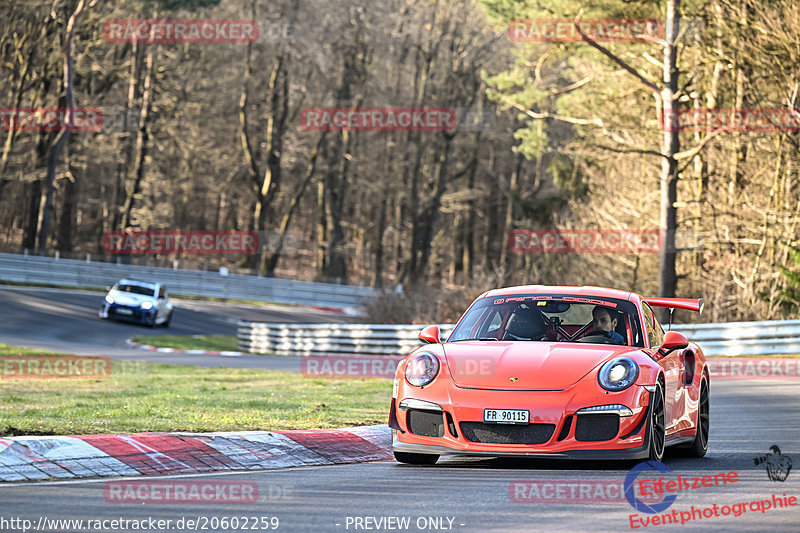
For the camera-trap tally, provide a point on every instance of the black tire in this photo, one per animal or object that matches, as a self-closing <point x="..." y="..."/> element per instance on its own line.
<point x="657" y="424"/>
<point x="699" y="445"/>
<point x="152" y="322"/>
<point x="168" y="320"/>
<point x="416" y="458"/>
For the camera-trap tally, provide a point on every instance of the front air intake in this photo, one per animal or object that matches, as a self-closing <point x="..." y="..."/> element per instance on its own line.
<point x="507" y="433"/>
<point x="425" y="423"/>
<point x="592" y="428"/>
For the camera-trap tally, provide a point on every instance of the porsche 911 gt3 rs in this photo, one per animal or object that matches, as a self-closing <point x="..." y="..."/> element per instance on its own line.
<point x="562" y="372"/>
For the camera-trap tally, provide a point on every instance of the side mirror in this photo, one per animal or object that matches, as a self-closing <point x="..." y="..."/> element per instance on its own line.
<point x="430" y="335"/>
<point x="673" y="341"/>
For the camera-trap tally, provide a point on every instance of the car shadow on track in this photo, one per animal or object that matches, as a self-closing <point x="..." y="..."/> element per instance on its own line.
<point x="713" y="462"/>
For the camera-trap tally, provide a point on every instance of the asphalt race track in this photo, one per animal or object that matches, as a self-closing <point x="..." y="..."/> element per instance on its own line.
<point x="66" y="321"/>
<point x="474" y="495"/>
<point x="747" y="418"/>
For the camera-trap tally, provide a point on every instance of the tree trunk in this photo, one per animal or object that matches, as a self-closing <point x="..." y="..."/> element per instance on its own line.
<point x="274" y="257"/>
<point x="66" y="222"/>
<point x="142" y="141"/>
<point x="335" y="188"/>
<point x="276" y="129"/>
<point x="34" y="204"/>
<point x="321" y="231"/>
<point x="127" y="139"/>
<point x="669" y="167"/>
<point x="46" y="210"/>
<point x="377" y="280"/>
<point x="429" y="227"/>
<point x="511" y="199"/>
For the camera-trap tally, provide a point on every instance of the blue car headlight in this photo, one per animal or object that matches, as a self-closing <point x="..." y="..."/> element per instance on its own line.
<point x="422" y="369"/>
<point x="109" y="299"/>
<point x="618" y="374"/>
<point x="147" y="305"/>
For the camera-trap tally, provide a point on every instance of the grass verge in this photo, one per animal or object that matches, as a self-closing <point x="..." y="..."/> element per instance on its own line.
<point x="206" y="342"/>
<point x="140" y="397"/>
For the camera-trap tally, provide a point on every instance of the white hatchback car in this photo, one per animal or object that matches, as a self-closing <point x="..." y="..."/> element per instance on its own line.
<point x="138" y="301"/>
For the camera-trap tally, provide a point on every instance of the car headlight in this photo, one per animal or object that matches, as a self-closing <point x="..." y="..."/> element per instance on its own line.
<point x="109" y="299"/>
<point x="618" y="374"/>
<point x="147" y="305"/>
<point x="422" y="369"/>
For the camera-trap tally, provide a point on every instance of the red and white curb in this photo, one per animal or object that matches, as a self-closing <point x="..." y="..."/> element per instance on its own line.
<point x="143" y="454"/>
<point x="176" y="350"/>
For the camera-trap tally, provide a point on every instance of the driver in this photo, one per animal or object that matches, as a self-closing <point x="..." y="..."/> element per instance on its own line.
<point x="604" y="320"/>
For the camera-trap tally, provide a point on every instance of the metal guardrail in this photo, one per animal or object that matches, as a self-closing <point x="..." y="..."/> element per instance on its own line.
<point x="769" y="337"/>
<point x="333" y="339"/>
<point x="730" y="339"/>
<point x="76" y="273"/>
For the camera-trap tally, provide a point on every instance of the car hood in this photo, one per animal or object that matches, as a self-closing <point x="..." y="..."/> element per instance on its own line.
<point x="130" y="298"/>
<point x="535" y="365"/>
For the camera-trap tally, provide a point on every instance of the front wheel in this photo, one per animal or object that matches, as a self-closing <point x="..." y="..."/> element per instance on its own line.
<point x="167" y="321"/>
<point x="416" y="458"/>
<point x="657" y="425"/>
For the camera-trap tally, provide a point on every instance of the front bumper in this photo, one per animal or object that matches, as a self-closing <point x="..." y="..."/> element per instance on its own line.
<point x="555" y="429"/>
<point x="128" y="314"/>
<point x="622" y="454"/>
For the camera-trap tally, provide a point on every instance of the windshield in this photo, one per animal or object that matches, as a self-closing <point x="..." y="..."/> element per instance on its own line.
<point x="551" y="318"/>
<point x="136" y="289"/>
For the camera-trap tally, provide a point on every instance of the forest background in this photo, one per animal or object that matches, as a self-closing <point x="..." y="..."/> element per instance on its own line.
<point x="551" y="135"/>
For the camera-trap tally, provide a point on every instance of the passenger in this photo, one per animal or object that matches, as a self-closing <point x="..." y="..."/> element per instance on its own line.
<point x="525" y="324"/>
<point x="604" y="323"/>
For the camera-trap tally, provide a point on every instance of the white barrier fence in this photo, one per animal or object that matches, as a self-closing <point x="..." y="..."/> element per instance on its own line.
<point x="731" y="339"/>
<point x="333" y="339"/>
<point x="75" y="273"/>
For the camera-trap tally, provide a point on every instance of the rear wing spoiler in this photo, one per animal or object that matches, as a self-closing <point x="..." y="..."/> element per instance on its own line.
<point x="676" y="303"/>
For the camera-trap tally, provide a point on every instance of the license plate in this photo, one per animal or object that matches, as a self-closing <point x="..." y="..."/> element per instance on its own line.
<point x="506" y="416"/>
<point x="124" y="311"/>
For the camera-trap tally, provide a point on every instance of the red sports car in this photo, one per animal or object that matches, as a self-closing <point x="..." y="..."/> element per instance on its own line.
<point x="563" y="372"/>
